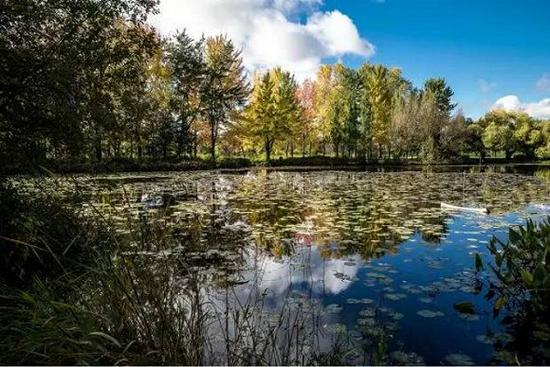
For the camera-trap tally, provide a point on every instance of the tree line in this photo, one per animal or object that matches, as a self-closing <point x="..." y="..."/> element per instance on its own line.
<point x="91" y="80"/>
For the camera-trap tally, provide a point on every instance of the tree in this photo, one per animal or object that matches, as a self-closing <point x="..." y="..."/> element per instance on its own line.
<point x="56" y="56"/>
<point x="187" y="65"/>
<point x="380" y="98"/>
<point x="406" y="125"/>
<point x="543" y="151"/>
<point x="161" y="130"/>
<point x="430" y="121"/>
<point x="527" y="134"/>
<point x="125" y="86"/>
<point x="323" y="90"/>
<point x="473" y="139"/>
<point x="350" y="85"/>
<point x="273" y="109"/>
<point x="442" y="93"/>
<point x="498" y="134"/>
<point x="453" y="136"/>
<point x="383" y="88"/>
<point x="261" y="113"/>
<point x="224" y="87"/>
<point x="306" y="98"/>
<point x="365" y="119"/>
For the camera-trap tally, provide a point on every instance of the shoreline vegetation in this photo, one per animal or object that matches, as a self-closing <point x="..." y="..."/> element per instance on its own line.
<point x="234" y="164"/>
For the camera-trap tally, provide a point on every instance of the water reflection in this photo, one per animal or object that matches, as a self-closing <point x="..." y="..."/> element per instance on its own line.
<point x="302" y="267"/>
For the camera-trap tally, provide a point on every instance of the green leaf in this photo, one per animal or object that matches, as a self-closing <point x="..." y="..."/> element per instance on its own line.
<point x="479" y="262"/>
<point x="106" y="336"/>
<point x="540" y="274"/>
<point x="498" y="259"/>
<point x="514" y="236"/>
<point x="527" y="277"/>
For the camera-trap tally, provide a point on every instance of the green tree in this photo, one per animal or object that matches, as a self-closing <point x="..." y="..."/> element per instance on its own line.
<point x="224" y="88"/>
<point x="187" y="66"/>
<point x="383" y="87"/>
<point x="474" y="140"/>
<point x="543" y="151"/>
<point x="273" y="109"/>
<point x="376" y="80"/>
<point x="406" y="125"/>
<point x="56" y="91"/>
<point x="162" y="131"/>
<point x="498" y="134"/>
<point x="323" y="104"/>
<point x="442" y="93"/>
<point x="430" y="123"/>
<point x="527" y="134"/>
<point x="453" y="136"/>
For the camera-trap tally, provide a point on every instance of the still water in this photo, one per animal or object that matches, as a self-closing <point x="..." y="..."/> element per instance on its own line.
<point x="365" y="265"/>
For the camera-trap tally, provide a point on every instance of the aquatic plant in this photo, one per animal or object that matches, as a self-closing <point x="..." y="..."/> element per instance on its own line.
<point x="146" y="302"/>
<point x="41" y="237"/>
<point x="522" y="286"/>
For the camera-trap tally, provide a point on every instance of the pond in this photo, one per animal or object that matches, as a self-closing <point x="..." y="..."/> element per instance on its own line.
<point x="307" y="265"/>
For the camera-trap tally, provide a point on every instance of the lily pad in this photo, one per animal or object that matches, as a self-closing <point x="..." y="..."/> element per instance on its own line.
<point x="430" y="314"/>
<point x="395" y="296"/>
<point x="368" y="312"/>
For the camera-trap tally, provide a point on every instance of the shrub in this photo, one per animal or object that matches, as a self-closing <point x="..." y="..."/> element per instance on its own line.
<point x="234" y="163"/>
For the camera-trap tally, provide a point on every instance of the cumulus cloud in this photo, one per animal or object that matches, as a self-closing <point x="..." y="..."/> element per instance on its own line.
<point x="540" y="109"/>
<point x="266" y="31"/>
<point x="279" y="277"/>
<point x="543" y="84"/>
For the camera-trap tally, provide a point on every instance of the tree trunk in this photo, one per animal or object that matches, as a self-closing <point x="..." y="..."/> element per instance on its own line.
<point x="195" y="144"/>
<point x="267" y="150"/>
<point x="213" y="141"/>
<point x="98" y="147"/>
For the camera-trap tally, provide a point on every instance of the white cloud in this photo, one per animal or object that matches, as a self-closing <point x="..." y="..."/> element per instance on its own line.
<point x="486" y="86"/>
<point x="543" y="84"/>
<point x="266" y="32"/>
<point x="278" y="276"/>
<point x="540" y="109"/>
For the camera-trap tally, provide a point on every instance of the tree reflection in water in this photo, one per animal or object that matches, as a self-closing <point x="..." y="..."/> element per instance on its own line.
<point x="255" y="268"/>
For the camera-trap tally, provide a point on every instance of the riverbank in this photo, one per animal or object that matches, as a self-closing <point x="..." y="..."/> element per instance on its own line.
<point x="243" y="164"/>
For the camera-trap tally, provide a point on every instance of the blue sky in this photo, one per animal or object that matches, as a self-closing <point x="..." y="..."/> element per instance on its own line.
<point x="491" y="52"/>
<point x="484" y="49"/>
